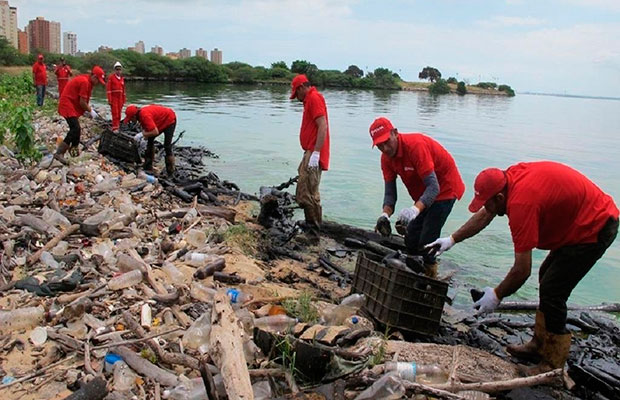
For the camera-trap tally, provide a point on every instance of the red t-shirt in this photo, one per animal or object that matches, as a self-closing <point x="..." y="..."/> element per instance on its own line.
<point x="115" y="88"/>
<point x="69" y="103"/>
<point x="418" y="155"/>
<point x="156" y="116"/>
<point x="40" y="73"/>
<point x="551" y="205"/>
<point x="314" y="107"/>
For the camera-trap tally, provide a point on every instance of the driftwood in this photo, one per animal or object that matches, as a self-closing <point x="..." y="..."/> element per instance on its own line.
<point x="145" y="367"/>
<point x="37" y="224"/>
<point x="207" y="378"/>
<point x="532" y="305"/>
<point x="93" y="390"/>
<point x="500" y="386"/>
<point x="49" y="245"/>
<point x="226" y="348"/>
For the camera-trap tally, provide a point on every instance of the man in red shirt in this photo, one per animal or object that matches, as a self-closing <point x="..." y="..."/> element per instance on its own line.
<point x="116" y="95"/>
<point x="39" y="75"/>
<point x="432" y="179"/>
<point x="314" y="139"/>
<point x="550" y="206"/>
<point x="63" y="73"/>
<point x="154" y="120"/>
<point x="73" y="103"/>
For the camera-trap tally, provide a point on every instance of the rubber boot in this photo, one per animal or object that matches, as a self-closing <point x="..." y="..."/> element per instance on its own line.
<point x="60" y="153"/>
<point x="312" y="234"/>
<point x="531" y="350"/>
<point x="553" y="353"/>
<point x="430" y="269"/>
<point x="170" y="165"/>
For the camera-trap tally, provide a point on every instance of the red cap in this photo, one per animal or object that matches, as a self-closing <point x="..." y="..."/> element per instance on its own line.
<point x="297" y="82"/>
<point x="488" y="183"/>
<point x="380" y="130"/>
<point x="98" y="72"/>
<point x="130" y="112"/>
<point x="40" y="56"/>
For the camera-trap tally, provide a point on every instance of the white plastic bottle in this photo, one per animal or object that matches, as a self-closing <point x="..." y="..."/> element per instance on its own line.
<point x="414" y="372"/>
<point x="349" y="306"/>
<point x="173" y="273"/>
<point x="202" y="293"/>
<point x="125" y="280"/>
<point x="275" y="323"/>
<point x="197" y="336"/>
<point x="197" y="259"/>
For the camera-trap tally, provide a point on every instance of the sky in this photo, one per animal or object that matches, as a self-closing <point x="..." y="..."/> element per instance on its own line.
<point x="547" y="46"/>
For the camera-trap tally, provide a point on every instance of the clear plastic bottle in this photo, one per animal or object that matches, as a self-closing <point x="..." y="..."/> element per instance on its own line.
<point x="60" y="249"/>
<point x="188" y="389"/>
<point x="48" y="259"/>
<point x="197" y="336"/>
<point x="125" y="280"/>
<point x="173" y="273"/>
<point x="388" y="387"/>
<point x="127" y="263"/>
<point x="237" y="297"/>
<point x="124" y="377"/>
<point x="349" y="306"/>
<point x="20" y="318"/>
<point x="196" y="238"/>
<point x="275" y="323"/>
<point x="202" y="293"/>
<point x="189" y="217"/>
<point x="54" y="218"/>
<point x="414" y="372"/>
<point x="196" y="259"/>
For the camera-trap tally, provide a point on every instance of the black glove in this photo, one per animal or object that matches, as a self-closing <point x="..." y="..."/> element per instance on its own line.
<point x="401" y="227"/>
<point x="383" y="225"/>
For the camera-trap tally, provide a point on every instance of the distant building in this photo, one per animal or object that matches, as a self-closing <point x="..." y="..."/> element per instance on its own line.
<point x="104" y="49"/>
<point x="202" y="53"/>
<point x="172" y="56"/>
<point x="55" y="34"/>
<point x="8" y="23"/>
<point x="22" y="40"/>
<point x="69" y="43"/>
<point x="216" y="56"/>
<point x="139" y="47"/>
<point x="157" y="50"/>
<point x="185" y="53"/>
<point x="39" y="35"/>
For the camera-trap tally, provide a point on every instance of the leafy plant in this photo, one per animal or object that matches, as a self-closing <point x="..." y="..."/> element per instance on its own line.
<point x="378" y="354"/>
<point x="302" y="308"/>
<point x="439" y="87"/>
<point x="461" y="89"/>
<point x="243" y="237"/>
<point x="452" y="80"/>
<point x="430" y="73"/>
<point x="505" y="88"/>
<point x="288" y="356"/>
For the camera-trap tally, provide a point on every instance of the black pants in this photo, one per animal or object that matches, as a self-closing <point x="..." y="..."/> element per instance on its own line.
<point x="73" y="136"/>
<point x="563" y="269"/>
<point x="426" y="228"/>
<point x="168" y="134"/>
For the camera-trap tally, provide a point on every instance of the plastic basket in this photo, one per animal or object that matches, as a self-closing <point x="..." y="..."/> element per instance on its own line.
<point x="398" y="298"/>
<point x="119" y="145"/>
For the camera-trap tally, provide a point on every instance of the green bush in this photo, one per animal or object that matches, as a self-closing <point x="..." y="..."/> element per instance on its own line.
<point x="439" y="87"/>
<point x="452" y="80"/>
<point x="487" y="85"/>
<point x="507" y="89"/>
<point x="461" y="89"/>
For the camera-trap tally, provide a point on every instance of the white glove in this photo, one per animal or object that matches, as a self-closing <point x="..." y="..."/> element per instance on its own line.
<point x="487" y="303"/>
<point x="442" y="244"/>
<point x="93" y="113"/>
<point x="138" y="137"/>
<point x="314" y="159"/>
<point x="407" y="215"/>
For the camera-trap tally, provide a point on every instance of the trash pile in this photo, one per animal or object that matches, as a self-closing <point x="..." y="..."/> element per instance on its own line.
<point x="119" y="285"/>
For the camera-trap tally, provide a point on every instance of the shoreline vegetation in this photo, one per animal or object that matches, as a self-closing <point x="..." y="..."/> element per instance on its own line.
<point x="153" y="67"/>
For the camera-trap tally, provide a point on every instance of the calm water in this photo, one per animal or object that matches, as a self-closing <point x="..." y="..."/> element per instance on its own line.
<point x="255" y="132"/>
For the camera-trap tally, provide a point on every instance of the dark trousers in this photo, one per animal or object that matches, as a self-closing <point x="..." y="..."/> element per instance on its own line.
<point x="426" y="228"/>
<point x="563" y="269"/>
<point x="168" y="134"/>
<point x="73" y="136"/>
<point x="40" y="95"/>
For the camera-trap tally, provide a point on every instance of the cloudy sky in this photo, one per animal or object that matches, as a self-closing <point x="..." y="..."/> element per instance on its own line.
<point x="552" y="46"/>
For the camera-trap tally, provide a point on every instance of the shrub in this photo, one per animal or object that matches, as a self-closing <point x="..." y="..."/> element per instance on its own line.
<point x="487" y="85"/>
<point x="461" y="89"/>
<point x="452" y="80"/>
<point x="507" y="89"/>
<point x="439" y="87"/>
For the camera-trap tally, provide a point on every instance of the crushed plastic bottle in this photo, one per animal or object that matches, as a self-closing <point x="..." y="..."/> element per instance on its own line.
<point x="189" y="217"/>
<point x="388" y="387"/>
<point x="196" y="238"/>
<point x="421" y="373"/>
<point x="124" y="377"/>
<point x="176" y="276"/>
<point x="60" y="249"/>
<point x="127" y="263"/>
<point x="275" y="323"/>
<point x="349" y="306"/>
<point x="237" y="297"/>
<point x="55" y="218"/>
<point x="125" y="280"/>
<point x="262" y="390"/>
<point x="202" y="293"/>
<point x="187" y="389"/>
<point x="197" y="336"/>
<point x="48" y="259"/>
<point x="109" y="361"/>
<point x="20" y="318"/>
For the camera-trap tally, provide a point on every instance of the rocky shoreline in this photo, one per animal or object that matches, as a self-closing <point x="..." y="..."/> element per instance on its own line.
<point x="198" y="249"/>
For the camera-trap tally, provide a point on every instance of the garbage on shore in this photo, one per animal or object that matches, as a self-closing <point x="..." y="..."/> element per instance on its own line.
<point x="118" y="285"/>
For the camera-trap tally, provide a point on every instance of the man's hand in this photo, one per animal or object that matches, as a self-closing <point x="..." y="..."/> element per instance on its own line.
<point x="314" y="159"/>
<point x="138" y="137"/>
<point x="440" y="245"/>
<point x="383" y="225"/>
<point x="407" y="215"/>
<point x="93" y="113"/>
<point x="488" y="303"/>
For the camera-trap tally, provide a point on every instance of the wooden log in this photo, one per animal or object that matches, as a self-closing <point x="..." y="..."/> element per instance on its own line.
<point x="533" y="305"/>
<point x="500" y="386"/>
<point x="226" y="348"/>
<point x="52" y="243"/>
<point x="145" y="367"/>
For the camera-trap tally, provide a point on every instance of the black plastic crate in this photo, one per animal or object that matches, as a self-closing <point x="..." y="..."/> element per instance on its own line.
<point x="119" y="145"/>
<point x="398" y="298"/>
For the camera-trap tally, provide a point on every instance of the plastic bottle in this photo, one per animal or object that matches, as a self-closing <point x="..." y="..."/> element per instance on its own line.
<point x="127" y="263"/>
<point x="356" y="300"/>
<point x="237" y="297"/>
<point x="413" y="372"/>
<point x="197" y="259"/>
<point x="173" y="273"/>
<point x="110" y="360"/>
<point x="55" y="218"/>
<point x="202" y="293"/>
<point x="196" y="238"/>
<point x="388" y="387"/>
<point x="60" y="249"/>
<point x="125" y="280"/>
<point x="124" y="377"/>
<point x="188" y="389"/>
<point x="197" y="336"/>
<point x="348" y="307"/>
<point x="189" y="217"/>
<point x="48" y="259"/>
<point x="20" y="318"/>
<point x="275" y="323"/>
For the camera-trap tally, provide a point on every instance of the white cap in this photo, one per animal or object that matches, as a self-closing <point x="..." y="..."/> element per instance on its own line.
<point x="117" y="64"/>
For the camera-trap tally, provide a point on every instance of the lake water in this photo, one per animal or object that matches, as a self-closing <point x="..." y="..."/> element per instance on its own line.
<point x="255" y="130"/>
